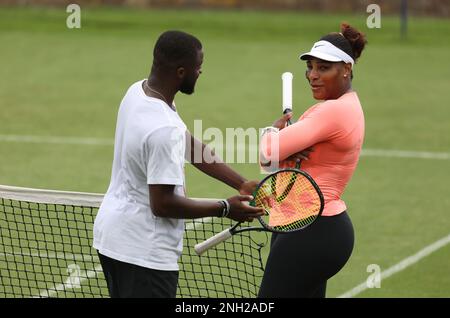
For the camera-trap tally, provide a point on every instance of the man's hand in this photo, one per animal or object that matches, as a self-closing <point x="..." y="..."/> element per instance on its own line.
<point x="241" y="211"/>
<point x="248" y="187"/>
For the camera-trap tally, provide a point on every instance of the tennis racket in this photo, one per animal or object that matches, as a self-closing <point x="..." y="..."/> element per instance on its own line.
<point x="285" y="211"/>
<point x="287" y="78"/>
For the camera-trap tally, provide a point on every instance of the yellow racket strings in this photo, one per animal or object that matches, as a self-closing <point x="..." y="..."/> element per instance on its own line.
<point x="290" y="200"/>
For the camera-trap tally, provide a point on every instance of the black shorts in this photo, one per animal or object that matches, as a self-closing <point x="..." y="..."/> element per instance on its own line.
<point x="126" y="280"/>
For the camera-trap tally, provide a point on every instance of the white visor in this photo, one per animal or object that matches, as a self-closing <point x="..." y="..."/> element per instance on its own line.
<point x="326" y="51"/>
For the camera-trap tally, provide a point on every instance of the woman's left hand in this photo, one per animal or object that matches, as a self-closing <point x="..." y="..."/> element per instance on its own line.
<point x="282" y="122"/>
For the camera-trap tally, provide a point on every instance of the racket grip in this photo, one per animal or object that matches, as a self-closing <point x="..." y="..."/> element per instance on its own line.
<point x="202" y="247"/>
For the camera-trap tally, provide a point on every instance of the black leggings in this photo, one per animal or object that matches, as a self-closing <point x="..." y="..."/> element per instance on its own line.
<point x="300" y="263"/>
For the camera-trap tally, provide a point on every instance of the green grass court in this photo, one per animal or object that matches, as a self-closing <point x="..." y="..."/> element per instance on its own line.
<point x="67" y="84"/>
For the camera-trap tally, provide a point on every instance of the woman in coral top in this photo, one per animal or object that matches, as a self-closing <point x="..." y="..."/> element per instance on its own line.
<point x="300" y="263"/>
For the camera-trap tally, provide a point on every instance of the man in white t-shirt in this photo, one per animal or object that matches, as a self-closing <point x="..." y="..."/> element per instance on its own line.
<point x="138" y="231"/>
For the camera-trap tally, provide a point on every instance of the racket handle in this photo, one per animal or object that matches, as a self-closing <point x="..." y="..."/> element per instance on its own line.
<point x="202" y="247"/>
<point x="287" y="90"/>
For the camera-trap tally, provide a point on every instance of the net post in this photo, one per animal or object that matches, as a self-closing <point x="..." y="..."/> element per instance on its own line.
<point x="403" y="19"/>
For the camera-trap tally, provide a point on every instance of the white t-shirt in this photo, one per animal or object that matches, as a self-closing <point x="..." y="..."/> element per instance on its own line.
<point x="149" y="148"/>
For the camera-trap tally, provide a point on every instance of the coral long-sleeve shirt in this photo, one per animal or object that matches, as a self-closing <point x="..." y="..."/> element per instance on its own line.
<point x="335" y="129"/>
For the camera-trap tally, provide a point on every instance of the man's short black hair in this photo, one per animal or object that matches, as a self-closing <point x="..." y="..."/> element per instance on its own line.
<point x="174" y="48"/>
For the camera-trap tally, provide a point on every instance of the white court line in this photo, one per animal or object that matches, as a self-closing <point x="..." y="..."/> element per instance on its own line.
<point x="400" y="266"/>
<point x="57" y="140"/>
<point x="71" y="282"/>
<point x="64" y="256"/>
<point x="405" y="154"/>
<point x="240" y="146"/>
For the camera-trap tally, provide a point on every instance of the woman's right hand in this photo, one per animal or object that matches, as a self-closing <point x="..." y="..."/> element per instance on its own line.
<point x="292" y="160"/>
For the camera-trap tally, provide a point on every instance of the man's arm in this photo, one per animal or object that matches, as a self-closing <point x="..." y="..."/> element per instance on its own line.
<point x="215" y="167"/>
<point x="165" y="203"/>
